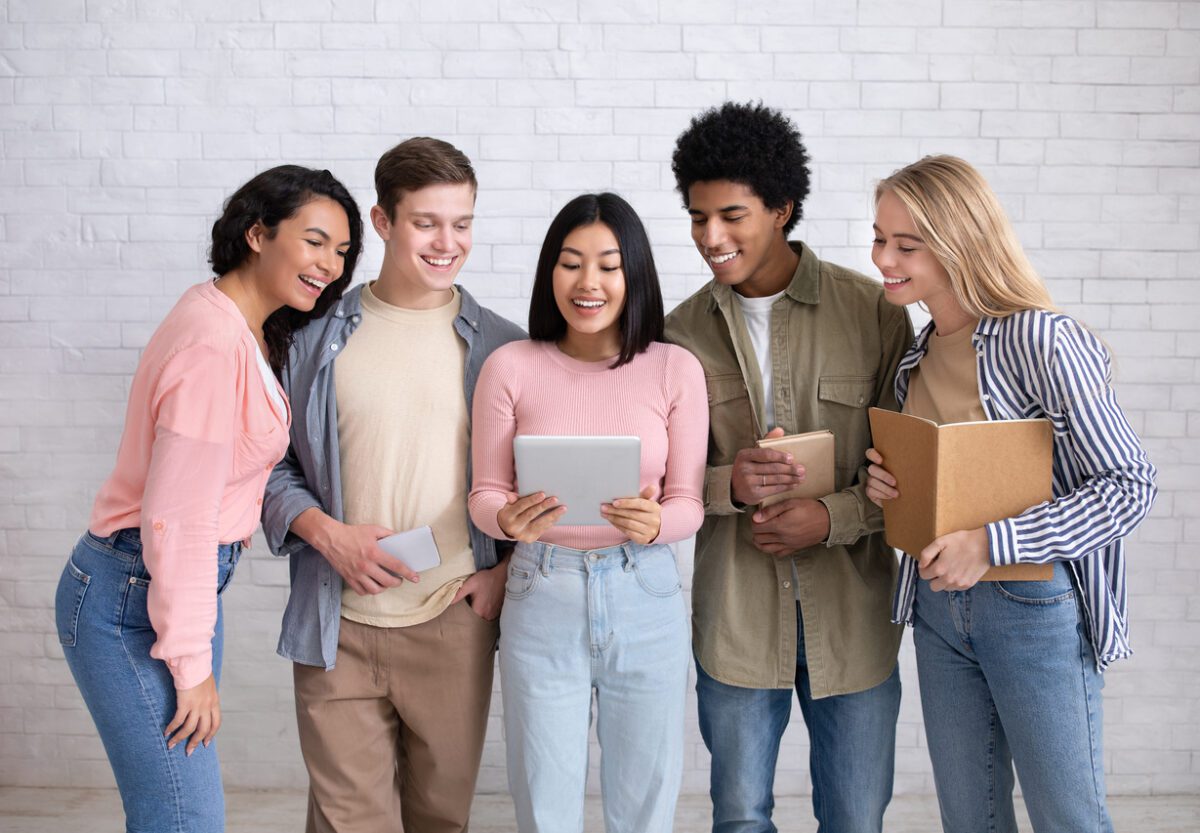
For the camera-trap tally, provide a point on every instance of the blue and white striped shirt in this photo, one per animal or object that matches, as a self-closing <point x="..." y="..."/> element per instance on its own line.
<point x="1044" y="364"/>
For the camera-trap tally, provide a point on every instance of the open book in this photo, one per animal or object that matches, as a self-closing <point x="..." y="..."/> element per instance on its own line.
<point x="814" y="451"/>
<point x="962" y="475"/>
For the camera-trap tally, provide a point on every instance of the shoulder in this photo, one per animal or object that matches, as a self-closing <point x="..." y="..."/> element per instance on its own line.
<point x="497" y="328"/>
<point x="1044" y="333"/>
<point x="849" y="285"/>
<point x="511" y="354"/>
<point x="689" y="313"/>
<point x="675" y="358"/>
<point x="196" y="324"/>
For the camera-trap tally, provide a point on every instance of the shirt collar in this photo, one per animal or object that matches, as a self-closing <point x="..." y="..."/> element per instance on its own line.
<point x="350" y="305"/>
<point x="804" y="288"/>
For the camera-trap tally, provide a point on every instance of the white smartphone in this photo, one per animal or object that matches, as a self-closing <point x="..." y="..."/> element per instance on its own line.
<point x="415" y="547"/>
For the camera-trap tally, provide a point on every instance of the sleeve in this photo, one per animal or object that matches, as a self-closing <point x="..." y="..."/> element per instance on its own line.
<point x="493" y="426"/>
<point x="1118" y="479"/>
<point x="287" y="494"/>
<point x="194" y="408"/>
<point x="718" y="491"/>
<point x="851" y="513"/>
<point x="687" y="448"/>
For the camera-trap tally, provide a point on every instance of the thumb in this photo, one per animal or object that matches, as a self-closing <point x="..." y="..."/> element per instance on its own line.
<point x="381" y="531"/>
<point x="462" y="593"/>
<point x="510" y="497"/>
<point x="930" y="553"/>
<point x="646" y="493"/>
<point x="773" y="433"/>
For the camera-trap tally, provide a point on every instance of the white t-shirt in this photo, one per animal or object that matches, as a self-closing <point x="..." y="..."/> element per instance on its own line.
<point x="272" y="386"/>
<point x="757" y="314"/>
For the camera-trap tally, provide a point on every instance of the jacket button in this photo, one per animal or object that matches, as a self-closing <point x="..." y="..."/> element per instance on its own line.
<point x="158" y="526"/>
<point x="259" y="501"/>
<point x="333" y="347"/>
<point x="786" y="585"/>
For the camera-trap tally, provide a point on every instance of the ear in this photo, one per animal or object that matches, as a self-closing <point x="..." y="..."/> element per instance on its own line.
<point x="782" y="215"/>
<point x="255" y="235"/>
<point x="381" y="222"/>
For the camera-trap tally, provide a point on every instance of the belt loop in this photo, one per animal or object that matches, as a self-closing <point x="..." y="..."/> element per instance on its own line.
<point x="627" y="548"/>
<point x="544" y="566"/>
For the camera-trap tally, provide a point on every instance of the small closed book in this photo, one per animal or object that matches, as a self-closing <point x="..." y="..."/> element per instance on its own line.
<point x="814" y="451"/>
<point x="962" y="475"/>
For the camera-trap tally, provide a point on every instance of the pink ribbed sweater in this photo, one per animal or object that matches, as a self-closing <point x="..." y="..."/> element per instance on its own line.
<point x="530" y="387"/>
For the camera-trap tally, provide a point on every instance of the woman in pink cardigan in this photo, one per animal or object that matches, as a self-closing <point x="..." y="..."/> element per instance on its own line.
<point x="593" y="609"/>
<point x="138" y="605"/>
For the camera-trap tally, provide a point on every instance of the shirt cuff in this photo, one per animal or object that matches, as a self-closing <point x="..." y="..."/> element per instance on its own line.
<point x="190" y="671"/>
<point x="1002" y="542"/>
<point x="718" y="491"/>
<point x="845" y="524"/>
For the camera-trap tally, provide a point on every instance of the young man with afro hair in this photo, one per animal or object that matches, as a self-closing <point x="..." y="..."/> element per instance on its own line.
<point x="797" y="594"/>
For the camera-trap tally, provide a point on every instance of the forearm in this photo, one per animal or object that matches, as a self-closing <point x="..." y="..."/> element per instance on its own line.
<point x="680" y="518"/>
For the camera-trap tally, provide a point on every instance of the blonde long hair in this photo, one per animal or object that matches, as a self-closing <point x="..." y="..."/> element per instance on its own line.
<point x="966" y="229"/>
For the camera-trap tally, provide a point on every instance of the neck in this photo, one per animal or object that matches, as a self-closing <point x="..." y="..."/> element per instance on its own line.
<point x="396" y="290"/>
<point x="241" y="288"/>
<point x="948" y="317"/>
<point x="774" y="275"/>
<point x="590" y="347"/>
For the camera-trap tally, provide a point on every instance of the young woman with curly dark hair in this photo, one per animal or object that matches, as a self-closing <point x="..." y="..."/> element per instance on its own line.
<point x="138" y="604"/>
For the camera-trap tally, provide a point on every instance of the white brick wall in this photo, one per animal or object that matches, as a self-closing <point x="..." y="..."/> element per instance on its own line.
<point x="124" y="125"/>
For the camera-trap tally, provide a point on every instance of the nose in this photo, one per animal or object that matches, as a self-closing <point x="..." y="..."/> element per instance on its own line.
<point x="443" y="241"/>
<point x="330" y="263"/>
<point x="713" y="234"/>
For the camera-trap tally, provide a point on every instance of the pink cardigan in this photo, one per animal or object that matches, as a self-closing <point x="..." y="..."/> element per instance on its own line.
<point x="530" y="387"/>
<point x="200" y="440"/>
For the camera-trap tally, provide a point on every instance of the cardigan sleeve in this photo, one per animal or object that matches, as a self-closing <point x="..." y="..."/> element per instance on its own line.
<point x="194" y="407"/>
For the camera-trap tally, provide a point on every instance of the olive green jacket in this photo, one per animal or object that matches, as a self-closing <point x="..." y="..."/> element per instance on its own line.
<point x="835" y="346"/>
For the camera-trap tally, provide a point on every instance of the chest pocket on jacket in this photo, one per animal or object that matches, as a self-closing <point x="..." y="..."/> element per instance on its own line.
<point x="730" y="418"/>
<point x="844" y="401"/>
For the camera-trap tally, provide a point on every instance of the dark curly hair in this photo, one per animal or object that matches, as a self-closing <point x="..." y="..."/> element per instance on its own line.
<point x="270" y="198"/>
<point x="749" y="144"/>
<point x="641" y="318"/>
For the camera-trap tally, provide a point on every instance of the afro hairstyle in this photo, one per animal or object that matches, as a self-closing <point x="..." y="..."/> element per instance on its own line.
<point x="749" y="144"/>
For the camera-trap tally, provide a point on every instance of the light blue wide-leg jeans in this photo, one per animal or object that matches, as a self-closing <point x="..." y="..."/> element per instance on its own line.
<point x="609" y="621"/>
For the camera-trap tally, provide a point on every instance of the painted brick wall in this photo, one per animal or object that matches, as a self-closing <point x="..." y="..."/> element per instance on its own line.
<point x="124" y="123"/>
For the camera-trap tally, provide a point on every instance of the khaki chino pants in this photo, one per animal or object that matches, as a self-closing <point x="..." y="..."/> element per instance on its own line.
<point x="395" y="731"/>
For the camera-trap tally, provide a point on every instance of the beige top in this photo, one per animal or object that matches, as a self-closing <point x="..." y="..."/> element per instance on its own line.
<point x="402" y="436"/>
<point x="944" y="387"/>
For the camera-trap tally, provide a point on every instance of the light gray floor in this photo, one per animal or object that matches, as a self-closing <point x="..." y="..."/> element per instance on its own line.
<point x="26" y="810"/>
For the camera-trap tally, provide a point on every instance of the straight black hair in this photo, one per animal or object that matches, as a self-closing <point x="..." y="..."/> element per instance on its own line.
<point x="270" y="198"/>
<point x="641" y="319"/>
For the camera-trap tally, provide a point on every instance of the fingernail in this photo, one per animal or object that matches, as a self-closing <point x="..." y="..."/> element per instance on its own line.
<point x="190" y="751"/>
<point x="206" y="743"/>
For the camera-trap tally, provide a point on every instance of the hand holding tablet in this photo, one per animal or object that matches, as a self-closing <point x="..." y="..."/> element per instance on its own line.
<point x="575" y="476"/>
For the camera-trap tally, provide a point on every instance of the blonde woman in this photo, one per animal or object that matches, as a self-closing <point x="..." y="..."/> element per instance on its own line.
<point x="1010" y="671"/>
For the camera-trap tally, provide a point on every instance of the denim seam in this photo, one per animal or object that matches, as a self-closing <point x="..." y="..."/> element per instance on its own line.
<point x="1051" y="600"/>
<point x="1089" y="703"/>
<point x="993" y="720"/>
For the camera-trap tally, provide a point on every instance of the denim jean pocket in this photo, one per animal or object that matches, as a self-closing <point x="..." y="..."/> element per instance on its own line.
<point x="521" y="581"/>
<point x="656" y="572"/>
<point x="68" y="600"/>
<point x="225" y="569"/>
<point x="1054" y="591"/>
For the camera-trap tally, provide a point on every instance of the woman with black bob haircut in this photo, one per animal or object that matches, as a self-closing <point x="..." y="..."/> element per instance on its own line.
<point x="138" y="605"/>
<point x="641" y="319"/>
<point x="593" y="607"/>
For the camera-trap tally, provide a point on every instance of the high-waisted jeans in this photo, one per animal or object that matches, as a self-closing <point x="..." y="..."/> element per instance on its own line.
<point x="106" y="636"/>
<point x="1008" y="676"/>
<point x="610" y="621"/>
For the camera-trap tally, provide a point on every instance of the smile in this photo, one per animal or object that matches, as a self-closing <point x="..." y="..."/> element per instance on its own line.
<point x="895" y="281"/>
<point x="588" y="303"/>
<point x="438" y="262"/>
<point x="717" y="260"/>
<point x="313" y="282"/>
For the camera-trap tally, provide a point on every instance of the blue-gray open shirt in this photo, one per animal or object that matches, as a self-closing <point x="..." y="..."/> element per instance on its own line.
<point x="310" y="473"/>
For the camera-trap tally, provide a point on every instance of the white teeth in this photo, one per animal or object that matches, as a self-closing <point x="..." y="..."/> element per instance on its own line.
<point x="719" y="259"/>
<point x="579" y="302"/>
<point x="893" y="281"/>
<point x="314" y="282"/>
<point x="438" y="261"/>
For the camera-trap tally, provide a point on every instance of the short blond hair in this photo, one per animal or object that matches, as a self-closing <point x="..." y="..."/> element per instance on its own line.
<point x="961" y="220"/>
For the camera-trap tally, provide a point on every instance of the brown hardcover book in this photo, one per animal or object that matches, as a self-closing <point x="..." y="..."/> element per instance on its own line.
<point x="814" y="451"/>
<point x="962" y="475"/>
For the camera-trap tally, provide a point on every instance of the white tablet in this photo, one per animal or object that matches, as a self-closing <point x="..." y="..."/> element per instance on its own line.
<point x="582" y="472"/>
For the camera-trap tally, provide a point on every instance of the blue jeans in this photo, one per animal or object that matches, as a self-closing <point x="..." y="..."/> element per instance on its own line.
<point x="610" y="621"/>
<point x="106" y="636"/>
<point x="1007" y="675"/>
<point x="852" y="750"/>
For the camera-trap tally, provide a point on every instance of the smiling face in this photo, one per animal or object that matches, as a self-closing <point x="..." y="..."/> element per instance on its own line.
<point x="910" y="271"/>
<point x="305" y="254"/>
<point x="739" y="238"/>
<point x="589" y="286"/>
<point x="426" y="241"/>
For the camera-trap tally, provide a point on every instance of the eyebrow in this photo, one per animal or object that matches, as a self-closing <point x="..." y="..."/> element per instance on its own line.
<point x="580" y="254"/>
<point x="899" y="234"/>
<point x="325" y="235"/>
<point x="435" y="216"/>
<point x="721" y="210"/>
